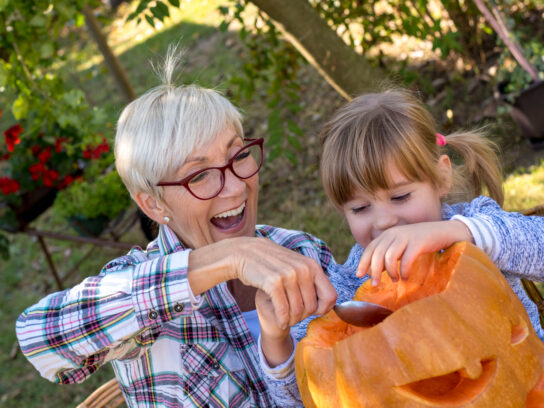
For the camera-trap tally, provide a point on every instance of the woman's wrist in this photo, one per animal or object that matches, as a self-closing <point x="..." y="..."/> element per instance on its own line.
<point x="209" y="266"/>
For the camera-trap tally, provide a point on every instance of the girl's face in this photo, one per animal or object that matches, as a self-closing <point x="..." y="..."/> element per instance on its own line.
<point x="406" y="202"/>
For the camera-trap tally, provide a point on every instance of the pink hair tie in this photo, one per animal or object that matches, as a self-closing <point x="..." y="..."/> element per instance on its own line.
<point x="440" y="139"/>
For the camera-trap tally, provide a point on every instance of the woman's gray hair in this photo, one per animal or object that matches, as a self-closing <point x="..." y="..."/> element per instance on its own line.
<point x="159" y="130"/>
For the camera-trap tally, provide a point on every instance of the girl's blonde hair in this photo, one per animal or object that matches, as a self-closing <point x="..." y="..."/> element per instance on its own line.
<point x="374" y="131"/>
<point x="160" y="129"/>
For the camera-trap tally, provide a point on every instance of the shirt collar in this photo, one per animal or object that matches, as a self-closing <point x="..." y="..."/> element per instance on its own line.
<point x="167" y="241"/>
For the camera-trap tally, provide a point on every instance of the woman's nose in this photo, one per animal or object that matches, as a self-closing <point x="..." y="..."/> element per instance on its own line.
<point x="233" y="184"/>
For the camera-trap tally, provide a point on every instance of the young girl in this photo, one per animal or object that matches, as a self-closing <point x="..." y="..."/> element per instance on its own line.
<point x="384" y="166"/>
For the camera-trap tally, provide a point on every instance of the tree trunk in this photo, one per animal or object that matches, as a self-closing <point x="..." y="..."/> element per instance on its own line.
<point x="110" y="59"/>
<point x="346" y="70"/>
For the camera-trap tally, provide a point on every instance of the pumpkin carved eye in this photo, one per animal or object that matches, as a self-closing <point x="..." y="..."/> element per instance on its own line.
<point x="519" y="333"/>
<point x="459" y="337"/>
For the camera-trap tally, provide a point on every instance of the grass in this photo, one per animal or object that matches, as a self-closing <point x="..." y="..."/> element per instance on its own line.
<point x="290" y="196"/>
<point x="524" y="188"/>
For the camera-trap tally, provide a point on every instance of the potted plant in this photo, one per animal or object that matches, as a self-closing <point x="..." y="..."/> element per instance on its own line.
<point x="521" y="83"/>
<point x="36" y="163"/>
<point x="90" y="205"/>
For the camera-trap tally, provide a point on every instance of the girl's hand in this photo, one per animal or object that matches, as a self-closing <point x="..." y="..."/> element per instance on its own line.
<point x="396" y="248"/>
<point x="276" y="342"/>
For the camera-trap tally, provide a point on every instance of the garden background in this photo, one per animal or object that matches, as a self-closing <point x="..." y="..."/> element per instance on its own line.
<point x="60" y="102"/>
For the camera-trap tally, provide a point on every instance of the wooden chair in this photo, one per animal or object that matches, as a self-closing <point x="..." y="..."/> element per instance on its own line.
<point x="108" y="395"/>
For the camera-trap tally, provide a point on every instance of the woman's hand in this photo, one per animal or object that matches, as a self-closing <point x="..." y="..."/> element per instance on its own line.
<point x="396" y="249"/>
<point x="276" y="343"/>
<point x="296" y="284"/>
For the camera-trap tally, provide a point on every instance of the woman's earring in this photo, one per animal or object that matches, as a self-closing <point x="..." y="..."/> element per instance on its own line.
<point x="166" y="219"/>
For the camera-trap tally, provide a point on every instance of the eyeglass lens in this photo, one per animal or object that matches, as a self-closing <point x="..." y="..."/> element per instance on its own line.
<point x="209" y="183"/>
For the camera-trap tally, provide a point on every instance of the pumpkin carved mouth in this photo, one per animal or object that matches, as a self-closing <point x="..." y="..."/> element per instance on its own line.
<point x="450" y="390"/>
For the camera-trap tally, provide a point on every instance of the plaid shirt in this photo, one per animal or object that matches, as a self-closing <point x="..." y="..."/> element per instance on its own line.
<point x="167" y="348"/>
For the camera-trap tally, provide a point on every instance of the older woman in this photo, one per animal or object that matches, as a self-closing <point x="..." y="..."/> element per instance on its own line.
<point x="177" y="320"/>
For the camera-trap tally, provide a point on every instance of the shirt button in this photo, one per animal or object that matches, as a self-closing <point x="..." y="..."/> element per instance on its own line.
<point x="216" y="366"/>
<point x="178" y="308"/>
<point x="152" y="315"/>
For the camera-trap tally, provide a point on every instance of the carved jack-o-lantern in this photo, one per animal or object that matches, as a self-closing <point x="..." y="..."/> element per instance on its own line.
<point x="459" y="337"/>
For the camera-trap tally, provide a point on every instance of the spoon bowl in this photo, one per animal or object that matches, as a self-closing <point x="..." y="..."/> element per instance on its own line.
<point x="362" y="314"/>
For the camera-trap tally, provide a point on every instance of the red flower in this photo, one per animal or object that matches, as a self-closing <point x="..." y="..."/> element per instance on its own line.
<point x="12" y="136"/>
<point x="45" y="155"/>
<point x="58" y="143"/>
<point x="95" y="152"/>
<point x="49" y="177"/>
<point x="35" y="150"/>
<point x="8" y="185"/>
<point x="66" y="181"/>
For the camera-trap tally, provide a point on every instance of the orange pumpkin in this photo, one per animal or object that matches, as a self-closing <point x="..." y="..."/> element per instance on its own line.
<point x="459" y="337"/>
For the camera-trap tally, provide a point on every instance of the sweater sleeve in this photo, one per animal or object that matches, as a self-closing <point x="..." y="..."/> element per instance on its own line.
<point x="513" y="241"/>
<point x="115" y="315"/>
<point x="281" y="381"/>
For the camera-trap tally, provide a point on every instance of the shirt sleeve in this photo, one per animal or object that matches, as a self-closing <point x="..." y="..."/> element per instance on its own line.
<point x="115" y="315"/>
<point x="281" y="380"/>
<point x="513" y="241"/>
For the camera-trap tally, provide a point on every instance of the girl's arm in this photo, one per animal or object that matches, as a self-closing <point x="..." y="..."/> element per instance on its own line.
<point x="513" y="241"/>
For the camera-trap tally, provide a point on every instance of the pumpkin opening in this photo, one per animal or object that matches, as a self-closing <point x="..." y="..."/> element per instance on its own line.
<point x="429" y="275"/>
<point x="451" y="389"/>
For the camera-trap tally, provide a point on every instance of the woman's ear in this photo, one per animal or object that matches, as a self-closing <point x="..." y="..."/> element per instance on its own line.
<point x="151" y="206"/>
<point x="445" y="171"/>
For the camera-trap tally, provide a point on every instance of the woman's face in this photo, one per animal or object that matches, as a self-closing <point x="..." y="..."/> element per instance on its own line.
<point x="406" y="202"/>
<point x="232" y="213"/>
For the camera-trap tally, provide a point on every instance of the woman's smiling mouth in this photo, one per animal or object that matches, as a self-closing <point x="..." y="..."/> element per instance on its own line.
<point x="229" y="219"/>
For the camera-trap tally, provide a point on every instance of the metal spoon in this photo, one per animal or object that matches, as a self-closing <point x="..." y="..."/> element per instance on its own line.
<point x="362" y="314"/>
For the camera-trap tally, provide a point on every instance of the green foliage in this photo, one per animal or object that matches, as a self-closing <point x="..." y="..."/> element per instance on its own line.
<point x="512" y="76"/>
<point x="104" y="195"/>
<point x="367" y="24"/>
<point x="273" y="64"/>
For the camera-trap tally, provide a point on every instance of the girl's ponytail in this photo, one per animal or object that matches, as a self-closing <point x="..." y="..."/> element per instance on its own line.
<point x="481" y="167"/>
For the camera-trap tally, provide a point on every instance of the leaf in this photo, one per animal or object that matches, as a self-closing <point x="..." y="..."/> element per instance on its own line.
<point x="38" y="21"/>
<point x="293" y="127"/>
<point x="174" y="3"/>
<point x="79" y="20"/>
<point x="20" y="107"/>
<point x="3" y="4"/>
<point x="291" y="157"/>
<point x="3" y="73"/>
<point x="69" y="119"/>
<point x="160" y="11"/>
<point x="47" y="49"/>
<point x="74" y="97"/>
<point x="150" y="20"/>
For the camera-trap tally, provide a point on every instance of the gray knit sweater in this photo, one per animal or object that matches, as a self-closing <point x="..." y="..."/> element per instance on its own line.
<point x="514" y="242"/>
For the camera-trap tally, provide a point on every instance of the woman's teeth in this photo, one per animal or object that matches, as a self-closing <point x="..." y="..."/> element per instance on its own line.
<point x="231" y="213"/>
